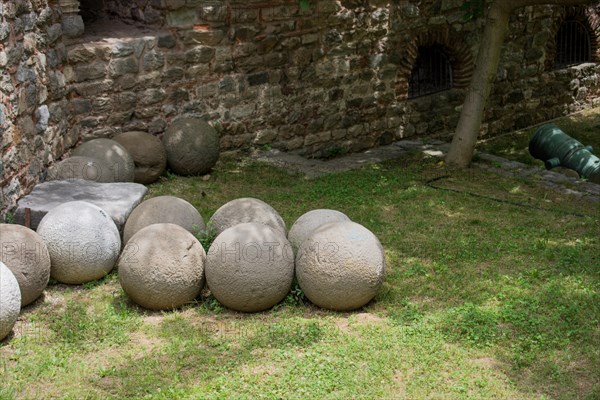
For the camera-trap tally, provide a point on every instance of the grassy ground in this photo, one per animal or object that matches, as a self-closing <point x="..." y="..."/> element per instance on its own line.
<point x="583" y="126"/>
<point x="485" y="297"/>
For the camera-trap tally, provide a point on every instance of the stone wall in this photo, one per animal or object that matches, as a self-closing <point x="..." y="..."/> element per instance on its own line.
<point x="328" y="79"/>
<point x="33" y="106"/>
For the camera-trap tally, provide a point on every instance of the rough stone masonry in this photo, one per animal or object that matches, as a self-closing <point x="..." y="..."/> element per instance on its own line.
<point x="319" y="81"/>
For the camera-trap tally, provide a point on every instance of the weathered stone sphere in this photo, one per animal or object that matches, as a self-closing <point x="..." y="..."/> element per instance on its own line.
<point x="10" y="300"/>
<point x="340" y="266"/>
<point x="148" y="155"/>
<point x="25" y="253"/>
<point x="192" y="146"/>
<point x="246" y="209"/>
<point x="163" y="209"/>
<point x="81" y="167"/>
<point x="250" y="267"/>
<point x="112" y="154"/>
<point x="310" y="221"/>
<point x="83" y="242"/>
<point x="162" y="267"/>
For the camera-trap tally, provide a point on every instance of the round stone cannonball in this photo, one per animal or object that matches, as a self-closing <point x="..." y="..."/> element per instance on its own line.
<point x="192" y="146"/>
<point x="113" y="154"/>
<point x="162" y="267"/>
<point x="250" y="267"/>
<point x="83" y="242"/>
<point x="81" y="167"/>
<point x="10" y="300"/>
<point x="25" y="253"/>
<point x="243" y="210"/>
<point x="163" y="209"/>
<point x="310" y="221"/>
<point x="340" y="266"/>
<point x="148" y="155"/>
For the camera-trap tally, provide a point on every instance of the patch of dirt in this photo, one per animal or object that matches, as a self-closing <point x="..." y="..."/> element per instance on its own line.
<point x="367" y="318"/>
<point x="400" y="384"/>
<point x="345" y="323"/>
<point x="488" y="362"/>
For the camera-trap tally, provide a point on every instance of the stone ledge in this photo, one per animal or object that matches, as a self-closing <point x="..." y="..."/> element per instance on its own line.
<point x="117" y="199"/>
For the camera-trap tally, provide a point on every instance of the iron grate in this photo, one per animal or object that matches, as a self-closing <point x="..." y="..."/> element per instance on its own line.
<point x="573" y="45"/>
<point x="431" y="73"/>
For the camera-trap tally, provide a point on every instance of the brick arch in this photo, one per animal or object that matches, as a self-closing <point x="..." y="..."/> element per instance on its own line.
<point x="589" y="17"/>
<point x="459" y="55"/>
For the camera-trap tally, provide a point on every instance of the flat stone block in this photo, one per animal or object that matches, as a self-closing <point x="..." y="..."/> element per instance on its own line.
<point x="117" y="199"/>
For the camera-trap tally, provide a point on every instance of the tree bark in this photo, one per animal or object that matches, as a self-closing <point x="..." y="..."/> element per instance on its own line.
<point x="463" y="143"/>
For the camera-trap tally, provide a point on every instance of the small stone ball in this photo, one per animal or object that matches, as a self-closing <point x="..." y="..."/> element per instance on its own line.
<point x="10" y="300"/>
<point x="163" y="209"/>
<point x="162" y="267"/>
<point x="246" y="209"/>
<point x="310" y="221"/>
<point x="25" y="253"/>
<point x="83" y="242"/>
<point x="250" y="267"/>
<point x="112" y="154"/>
<point x="192" y="146"/>
<point x="148" y="154"/>
<point x="80" y="167"/>
<point x="340" y="266"/>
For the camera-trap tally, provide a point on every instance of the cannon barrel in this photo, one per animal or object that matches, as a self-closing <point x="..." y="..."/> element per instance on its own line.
<point x="555" y="148"/>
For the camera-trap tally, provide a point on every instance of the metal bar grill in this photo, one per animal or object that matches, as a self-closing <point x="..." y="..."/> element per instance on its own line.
<point x="431" y="73"/>
<point x="573" y="45"/>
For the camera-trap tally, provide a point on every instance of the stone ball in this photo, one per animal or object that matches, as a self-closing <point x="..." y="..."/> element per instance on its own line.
<point x="148" y="155"/>
<point x="163" y="209"/>
<point x="83" y="242"/>
<point x="340" y="266"/>
<point x="310" y="221"/>
<point x="81" y="167"/>
<point x="250" y="267"/>
<point x="162" y="267"/>
<point x="114" y="155"/>
<point x="243" y="210"/>
<point x="10" y="300"/>
<point x="25" y="253"/>
<point x="192" y="146"/>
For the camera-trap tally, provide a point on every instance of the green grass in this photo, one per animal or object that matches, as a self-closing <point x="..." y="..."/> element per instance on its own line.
<point x="583" y="126"/>
<point x="492" y="291"/>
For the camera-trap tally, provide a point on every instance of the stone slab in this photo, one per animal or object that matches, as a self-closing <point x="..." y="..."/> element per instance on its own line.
<point x="117" y="199"/>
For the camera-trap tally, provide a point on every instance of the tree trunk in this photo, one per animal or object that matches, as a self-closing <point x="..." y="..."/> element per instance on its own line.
<point x="488" y="59"/>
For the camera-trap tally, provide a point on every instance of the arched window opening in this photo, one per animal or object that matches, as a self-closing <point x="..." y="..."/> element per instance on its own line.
<point x="431" y="73"/>
<point x="573" y="45"/>
<point x="91" y="10"/>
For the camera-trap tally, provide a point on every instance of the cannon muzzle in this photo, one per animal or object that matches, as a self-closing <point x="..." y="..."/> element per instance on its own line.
<point x="556" y="148"/>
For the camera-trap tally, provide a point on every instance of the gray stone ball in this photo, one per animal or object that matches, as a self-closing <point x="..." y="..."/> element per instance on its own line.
<point x="148" y="154"/>
<point x="162" y="267"/>
<point x="250" y="267"/>
<point x="25" y="253"/>
<point x="310" y="221"/>
<point x="113" y="154"/>
<point x="163" y="209"/>
<point x="83" y="242"/>
<point x="246" y="209"/>
<point x="81" y="167"/>
<point x="340" y="266"/>
<point x="192" y="146"/>
<point x="10" y="300"/>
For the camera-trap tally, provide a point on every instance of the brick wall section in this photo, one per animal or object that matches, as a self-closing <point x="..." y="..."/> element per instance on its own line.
<point x="319" y="81"/>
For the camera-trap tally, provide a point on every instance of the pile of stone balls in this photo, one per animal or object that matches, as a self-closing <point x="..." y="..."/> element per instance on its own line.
<point x="249" y="267"/>
<point x="251" y="264"/>
<point x="189" y="146"/>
